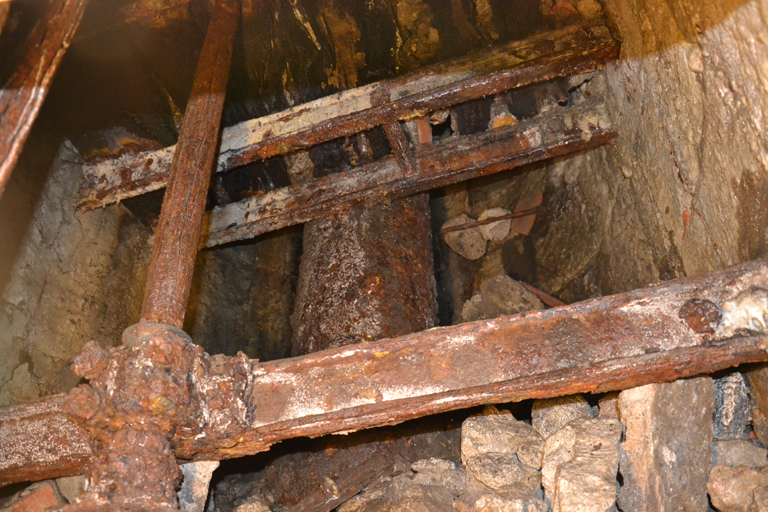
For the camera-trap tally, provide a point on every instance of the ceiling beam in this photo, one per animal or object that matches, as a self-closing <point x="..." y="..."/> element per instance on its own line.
<point x="558" y="132"/>
<point x="563" y="52"/>
<point x="669" y="331"/>
<point x="22" y="95"/>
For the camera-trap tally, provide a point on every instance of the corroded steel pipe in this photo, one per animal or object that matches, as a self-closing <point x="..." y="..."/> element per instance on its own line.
<point x="181" y="218"/>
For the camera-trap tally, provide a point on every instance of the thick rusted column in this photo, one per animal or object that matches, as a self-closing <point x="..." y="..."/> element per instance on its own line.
<point x="178" y="232"/>
<point x="23" y="94"/>
<point x="365" y="275"/>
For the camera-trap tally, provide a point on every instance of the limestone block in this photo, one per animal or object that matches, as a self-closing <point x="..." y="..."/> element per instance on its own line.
<point x="500" y="295"/>
<point x="502" y="472"/>
<point x="738" y="489"/>
<point x="194" y="489"/>
<point x="501" y="434"/>
<point x="580" y="464"/>
<point x="551" y="415"/>
<point x="492" y="502"/>
<point x="665" y="457"/>
<point x="469" y="242"/>
<point x="738" y="452"/>
<point x="439" y="472"/>
<point x="496" y="231"/>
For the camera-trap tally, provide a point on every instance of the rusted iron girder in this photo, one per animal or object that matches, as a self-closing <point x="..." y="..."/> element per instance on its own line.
<point x="559" y="132"/>
<point x="672" y="330"/>
<point x="22" y="95"/>
<point x="177" y="237"/>
<point x="563" y="52"/>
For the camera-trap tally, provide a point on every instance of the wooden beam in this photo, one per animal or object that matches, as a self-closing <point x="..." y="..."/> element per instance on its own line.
<point x="567" y="51"/>
<point x="599" y="345"/>
<point x="177" y="237"/>
<point x="24" y="92"/>
<point x="559" y="132"/>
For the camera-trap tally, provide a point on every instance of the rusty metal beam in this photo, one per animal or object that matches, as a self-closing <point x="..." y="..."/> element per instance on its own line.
<point x="24" y="92"/>
<point x="557" y="133"/>
<point x="676" y="329"/>
<point x="177" y="237"/>
<point x="566" y="51"/>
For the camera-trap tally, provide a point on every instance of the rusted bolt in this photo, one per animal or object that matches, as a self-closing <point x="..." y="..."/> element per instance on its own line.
<point x="701" y="315"/>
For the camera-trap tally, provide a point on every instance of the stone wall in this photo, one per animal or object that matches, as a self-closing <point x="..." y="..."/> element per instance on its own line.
<point x="68" y="277"/>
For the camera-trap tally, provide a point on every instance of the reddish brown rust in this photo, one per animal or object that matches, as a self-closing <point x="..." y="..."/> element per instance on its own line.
<point x="701" y="315"/>
<point x="563" y="52"/>
<point x="604" y="344"/>
<point x="400" y="148"/>
<point x="24" y="92"/>
<point x="545" y="298"/>
<point x="181" y="219"/>
<point x="559" y="132"/>
<point x="37" y="441"/>
<point x="365" y="275"/>
<point x="136" y="472"/>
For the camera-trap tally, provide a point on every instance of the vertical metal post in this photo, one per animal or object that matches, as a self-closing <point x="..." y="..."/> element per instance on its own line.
<point x="181" y="218"/>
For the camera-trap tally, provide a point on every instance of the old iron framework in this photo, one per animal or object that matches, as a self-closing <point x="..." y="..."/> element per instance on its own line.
<point x="159" y="399"/>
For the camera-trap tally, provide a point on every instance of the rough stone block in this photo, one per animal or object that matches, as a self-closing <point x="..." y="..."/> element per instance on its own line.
<point x="502" y="472"/>
<point x="71" y="486"/>
<point x="36" y="498"/>
<point x="732" y="407"/>
<point x="469" y="242"/>
<point x="665" y="457"/>
<point x="500" y="295"/>
<point x="422" y="498"/>
<point x="439" y="472"/>
<point x="194" y="489"/>
<point x="551" y="415"/>
<point x="496" y="231"/>
<point x="492" y="502"/>
<point x="738" y="489"/>
<point x="501" y="434"/>
<point x="609" y="406"/>
<point x="580" y="464"/>
<point x="738" y="452"/>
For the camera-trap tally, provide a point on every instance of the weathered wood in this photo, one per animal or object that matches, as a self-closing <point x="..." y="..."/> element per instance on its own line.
<point x="604" y="344"/>
<point x="559" y="132"/>
<point x="567" y="51"/>
<point x="23" y="94"/>
<point x="177" y="237"/>
<point x="337" y="492"/>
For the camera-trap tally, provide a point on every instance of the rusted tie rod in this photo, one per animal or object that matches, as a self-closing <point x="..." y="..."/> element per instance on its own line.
<point x="134" y="467"/>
